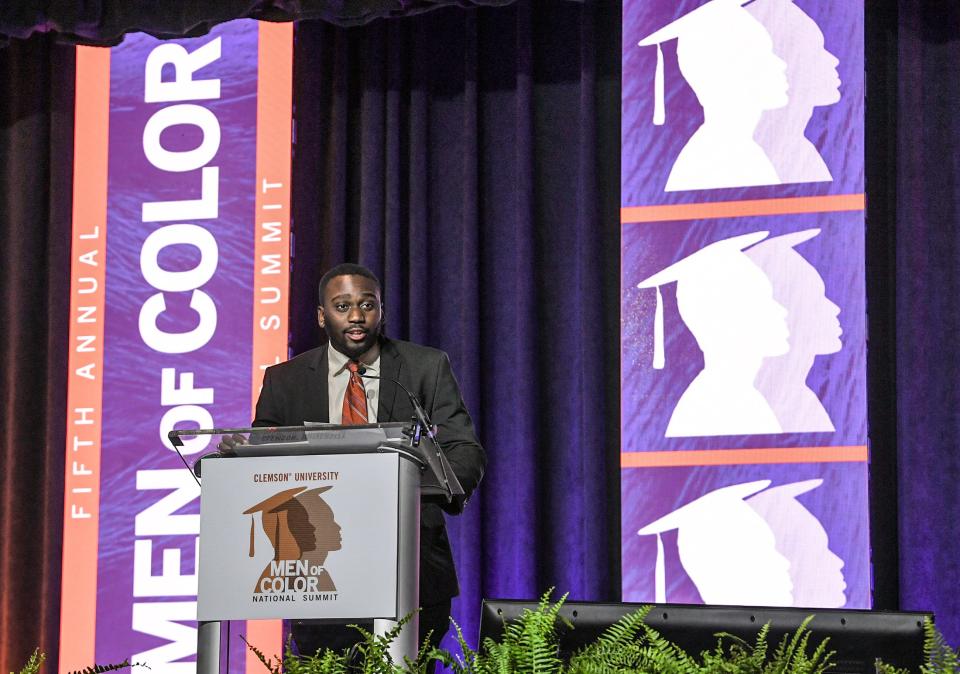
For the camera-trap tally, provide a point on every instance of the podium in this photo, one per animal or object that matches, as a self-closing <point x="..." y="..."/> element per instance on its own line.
<point x="315" y="522"/>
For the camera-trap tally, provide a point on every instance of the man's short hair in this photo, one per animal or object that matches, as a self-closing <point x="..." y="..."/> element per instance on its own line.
<point x="347" y="269"/>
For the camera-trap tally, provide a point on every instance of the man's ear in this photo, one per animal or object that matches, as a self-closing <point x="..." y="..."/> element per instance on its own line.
<point x="320" y="317"/>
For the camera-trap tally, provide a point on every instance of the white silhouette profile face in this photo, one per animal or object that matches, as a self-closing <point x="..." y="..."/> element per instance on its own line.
<point x="811" y="69"/>
<point x="730" y="554"/>
<point x="730" y="63"/>
<point x="818" y="576"/>
<point x="731" y="311"/>
<point x="816" y="571"/>
<point x="811" y="317"/>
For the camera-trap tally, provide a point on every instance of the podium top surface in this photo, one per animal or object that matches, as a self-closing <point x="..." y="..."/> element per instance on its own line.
<point x="318" y="438"/>
<point x="324" y="438"/>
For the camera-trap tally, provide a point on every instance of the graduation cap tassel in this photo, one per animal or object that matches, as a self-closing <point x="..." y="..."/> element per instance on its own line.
<point x="659" y="578"/>
<point x="276" y="553"/>
<point x="659" y="360"/>
<point x="252" y="536"/>
<point x="659" y="113"/>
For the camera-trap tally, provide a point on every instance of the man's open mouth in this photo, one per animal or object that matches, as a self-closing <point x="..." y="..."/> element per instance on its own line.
<point x="356" y="334"/>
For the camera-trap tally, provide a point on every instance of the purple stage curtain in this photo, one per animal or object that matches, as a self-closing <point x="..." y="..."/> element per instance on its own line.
<point x="36" y="135"/>
<point x="928" y="309"/>
<point x="470" y="159"/>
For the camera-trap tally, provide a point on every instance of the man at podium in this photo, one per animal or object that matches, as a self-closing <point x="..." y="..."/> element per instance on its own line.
<point x="333" y="384"/>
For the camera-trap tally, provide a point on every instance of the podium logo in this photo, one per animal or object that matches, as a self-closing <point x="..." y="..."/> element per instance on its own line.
<point x="301" y="528"/>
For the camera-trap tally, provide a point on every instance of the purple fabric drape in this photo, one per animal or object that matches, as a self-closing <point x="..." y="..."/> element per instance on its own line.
<point x="36" y="122"/>
<point x="458" y="154"/>
<point x="470" y="158"/>
<point x="928" y="309"/>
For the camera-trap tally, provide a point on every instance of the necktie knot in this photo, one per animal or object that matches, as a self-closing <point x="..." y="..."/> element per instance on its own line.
<point x="353" y="366"/>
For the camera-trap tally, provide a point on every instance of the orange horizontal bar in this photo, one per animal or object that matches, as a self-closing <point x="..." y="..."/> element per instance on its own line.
<point x="734" y="457"/>
<point x="735" y="209"/>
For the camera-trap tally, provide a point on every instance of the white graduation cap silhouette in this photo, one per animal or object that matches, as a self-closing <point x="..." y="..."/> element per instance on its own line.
<point x="788" y="240"/>
<point x="699" y="270"/>
<point x="727" y="57"/>
<point x="726" y="548"/>
<point x="709" y="14"/>
<point x="727" y="303"/>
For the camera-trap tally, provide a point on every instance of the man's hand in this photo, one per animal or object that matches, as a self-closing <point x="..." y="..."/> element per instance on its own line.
<point x="228" y="443"/>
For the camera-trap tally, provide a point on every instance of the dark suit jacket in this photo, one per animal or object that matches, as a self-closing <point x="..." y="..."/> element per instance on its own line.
<point x="296" y="391"/>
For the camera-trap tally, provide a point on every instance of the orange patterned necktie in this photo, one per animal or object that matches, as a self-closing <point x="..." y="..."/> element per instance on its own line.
<point x="355" y="399"/>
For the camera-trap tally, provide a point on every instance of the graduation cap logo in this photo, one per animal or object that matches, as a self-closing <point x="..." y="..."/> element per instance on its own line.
<point x="726" y="548"/>
<point x="727" y="303"/>
<point x="812" y="320"/>
<point x="751" y="544"/>
<point x="300" y="526"/>
<point x="727" y="58"/>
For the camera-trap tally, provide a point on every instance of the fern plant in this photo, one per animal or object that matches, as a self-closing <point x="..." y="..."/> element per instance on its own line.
<point x="938" y="656"/>
<point x="529" y="645"/>
<point x="37" y="659"/>
<point x="102" y="669"/>
<point x="370" y="656"/>
<point x="33" y="663"/>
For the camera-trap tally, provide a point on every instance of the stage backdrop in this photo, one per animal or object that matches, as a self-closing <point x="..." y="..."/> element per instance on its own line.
<point x="178" y="301"/>
<point x="743" y="348"/>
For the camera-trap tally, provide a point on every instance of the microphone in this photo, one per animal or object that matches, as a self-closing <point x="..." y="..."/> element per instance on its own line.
<point x="423" y="421"/>
<point x="421" y="413"/>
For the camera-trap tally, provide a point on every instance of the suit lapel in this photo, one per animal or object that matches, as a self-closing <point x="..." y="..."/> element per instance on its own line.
<point x="390" y="364"/>
<point x="317" y="406"/>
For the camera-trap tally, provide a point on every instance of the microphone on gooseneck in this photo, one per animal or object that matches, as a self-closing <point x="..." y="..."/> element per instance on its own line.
<point x="417" y="407"/>
<point x="422" y="419"/>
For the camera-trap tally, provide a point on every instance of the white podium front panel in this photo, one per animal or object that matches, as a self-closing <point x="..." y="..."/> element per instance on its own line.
<point x="299" y="537"/>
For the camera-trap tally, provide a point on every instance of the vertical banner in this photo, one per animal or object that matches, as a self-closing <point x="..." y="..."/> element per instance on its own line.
<point x="81" y="516"/>
<point x="743" y="333"/>
<point x="271" y="281"/>
<point x="180" y="151"/>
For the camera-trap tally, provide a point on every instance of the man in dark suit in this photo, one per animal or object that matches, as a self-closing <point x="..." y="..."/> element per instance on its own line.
<point x="315" y="386"/>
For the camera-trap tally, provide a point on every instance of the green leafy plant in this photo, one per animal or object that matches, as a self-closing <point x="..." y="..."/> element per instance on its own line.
<point x="370" y="656"/>
<point x="938" y="656"/>
<point x="38" y="658"/>
<point x="101" y="669"/>
<point x="33" y="664"/>
<point x="630" y="645"/>
<point x="530" y="645"/>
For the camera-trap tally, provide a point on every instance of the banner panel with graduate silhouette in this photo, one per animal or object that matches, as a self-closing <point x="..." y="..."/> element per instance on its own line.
<point x="741" y="99"/>
<point x="743" y="310"/>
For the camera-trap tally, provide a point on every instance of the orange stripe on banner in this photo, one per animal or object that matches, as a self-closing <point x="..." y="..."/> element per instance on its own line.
<point x="736" y="209"/>
<point x="734" y="457"/>
<point x="85" y="375"/>
<point x="271" y="283"/>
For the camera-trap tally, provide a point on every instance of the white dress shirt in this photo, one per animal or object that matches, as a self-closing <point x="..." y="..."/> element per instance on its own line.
<point x="338" y="376"/>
